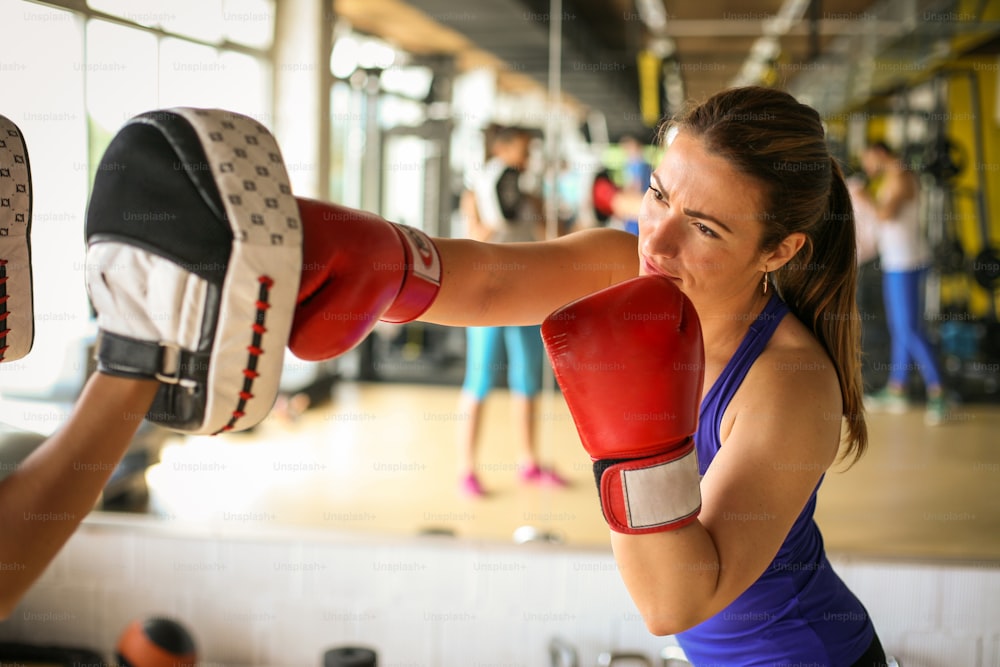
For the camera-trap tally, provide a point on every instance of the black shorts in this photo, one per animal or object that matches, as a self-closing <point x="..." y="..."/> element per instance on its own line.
<point x="874" y="656"/>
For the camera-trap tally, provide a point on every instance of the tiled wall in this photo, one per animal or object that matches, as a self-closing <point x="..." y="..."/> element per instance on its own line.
<point x="281" y="598"/>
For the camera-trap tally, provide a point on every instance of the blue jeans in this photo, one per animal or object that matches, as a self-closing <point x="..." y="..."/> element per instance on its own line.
<point x="908" y="343"/>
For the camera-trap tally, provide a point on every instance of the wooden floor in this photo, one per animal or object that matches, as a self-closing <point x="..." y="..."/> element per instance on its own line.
<point x="381" y="457"/>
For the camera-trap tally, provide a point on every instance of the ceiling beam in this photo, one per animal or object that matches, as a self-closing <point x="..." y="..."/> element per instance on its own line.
<point x="717" y="28"/>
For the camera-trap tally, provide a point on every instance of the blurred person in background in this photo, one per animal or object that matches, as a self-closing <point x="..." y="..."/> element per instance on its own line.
<point x="497" y="208"/>
<point x="636" y="173"/>
<point x="904" y="256"/>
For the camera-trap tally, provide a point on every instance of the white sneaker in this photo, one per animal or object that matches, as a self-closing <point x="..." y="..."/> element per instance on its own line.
<point x="887" y="400"/>
<point x="936" y="412"/>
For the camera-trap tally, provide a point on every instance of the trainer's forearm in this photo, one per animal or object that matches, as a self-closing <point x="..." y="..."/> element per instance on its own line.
<point x="46" y="498"/>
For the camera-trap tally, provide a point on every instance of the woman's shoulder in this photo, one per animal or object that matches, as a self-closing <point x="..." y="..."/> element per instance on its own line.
<point x="795" y="365"/>
<point x="791" y="394"/>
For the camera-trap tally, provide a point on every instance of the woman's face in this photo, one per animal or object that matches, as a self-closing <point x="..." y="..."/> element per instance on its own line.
<point x="700" y="224"/>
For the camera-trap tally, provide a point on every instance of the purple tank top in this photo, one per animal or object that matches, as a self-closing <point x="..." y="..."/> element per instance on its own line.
<point x="798" y="612"/>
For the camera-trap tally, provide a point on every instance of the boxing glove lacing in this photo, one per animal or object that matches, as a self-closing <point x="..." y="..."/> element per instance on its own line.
<point x="250" y="372"/>
<point x="3" y="309"/>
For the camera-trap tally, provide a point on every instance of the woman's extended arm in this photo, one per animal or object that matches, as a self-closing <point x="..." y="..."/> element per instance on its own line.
<point x="486" y="284"/>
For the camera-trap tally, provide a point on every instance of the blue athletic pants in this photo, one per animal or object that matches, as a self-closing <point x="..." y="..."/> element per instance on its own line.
<point x="910" y="348"/>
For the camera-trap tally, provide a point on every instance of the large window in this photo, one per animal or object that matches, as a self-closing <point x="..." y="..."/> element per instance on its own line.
<point x="69" y="78"/>
<point x="385" y="149"/>
<point x="347" y="138"/>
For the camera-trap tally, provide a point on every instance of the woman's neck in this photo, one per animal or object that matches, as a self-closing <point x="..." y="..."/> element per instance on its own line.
<point x="724" y="324"/>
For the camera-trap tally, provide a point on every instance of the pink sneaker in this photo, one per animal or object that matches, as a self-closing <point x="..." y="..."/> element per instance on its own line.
<point x="471" y="486"/>
<point x="538" y="475"/>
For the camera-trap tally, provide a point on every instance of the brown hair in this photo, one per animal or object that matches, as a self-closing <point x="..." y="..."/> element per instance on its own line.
<point x="770" y="136"/>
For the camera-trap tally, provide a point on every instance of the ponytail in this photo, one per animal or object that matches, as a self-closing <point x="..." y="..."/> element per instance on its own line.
<point x="819" y="285"/>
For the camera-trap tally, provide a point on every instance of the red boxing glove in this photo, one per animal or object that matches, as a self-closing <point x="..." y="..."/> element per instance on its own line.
<point x="630" y="362"/>
<point x="357" y="269"/>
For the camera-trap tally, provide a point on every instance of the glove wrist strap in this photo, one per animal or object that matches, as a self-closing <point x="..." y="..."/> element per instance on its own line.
<point x="421" y="277"/>
<point x="652" y="494"/>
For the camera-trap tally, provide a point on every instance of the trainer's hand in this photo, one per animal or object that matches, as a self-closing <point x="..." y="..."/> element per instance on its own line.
<point x="630" y="362"/>
<point x="357" y="269"/>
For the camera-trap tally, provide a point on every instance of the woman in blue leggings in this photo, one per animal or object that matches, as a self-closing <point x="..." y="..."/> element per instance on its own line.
<point x="496" y="209"/>
<point x="903" y="256"/>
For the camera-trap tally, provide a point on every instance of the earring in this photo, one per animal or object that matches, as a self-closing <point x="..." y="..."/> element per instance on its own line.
<point x="765" y="281"/>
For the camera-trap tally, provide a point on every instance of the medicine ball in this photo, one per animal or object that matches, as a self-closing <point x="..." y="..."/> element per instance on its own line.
<point x="156" y="642"/>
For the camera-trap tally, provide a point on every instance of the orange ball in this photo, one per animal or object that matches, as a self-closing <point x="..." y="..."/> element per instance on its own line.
<point x="156" y="642"/>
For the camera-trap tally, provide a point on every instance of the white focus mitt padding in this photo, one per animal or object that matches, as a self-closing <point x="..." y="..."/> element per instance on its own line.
<point x="193" y="265"/>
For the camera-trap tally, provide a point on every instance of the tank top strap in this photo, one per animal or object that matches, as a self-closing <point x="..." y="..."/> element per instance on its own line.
<point x="714" y="405"/>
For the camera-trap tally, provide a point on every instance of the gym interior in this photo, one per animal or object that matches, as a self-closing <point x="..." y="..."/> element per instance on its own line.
<point x="338" y="521"/>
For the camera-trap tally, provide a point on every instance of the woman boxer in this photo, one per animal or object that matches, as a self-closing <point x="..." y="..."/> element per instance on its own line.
<point x="748" y="217"/>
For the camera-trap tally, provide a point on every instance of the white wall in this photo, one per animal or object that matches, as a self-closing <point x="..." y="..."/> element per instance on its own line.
<point x="281" y="597"/>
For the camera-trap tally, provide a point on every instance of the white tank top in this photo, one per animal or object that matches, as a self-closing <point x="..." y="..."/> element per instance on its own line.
<point x="902" y="245"/>
<point x="500" y="203"/>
